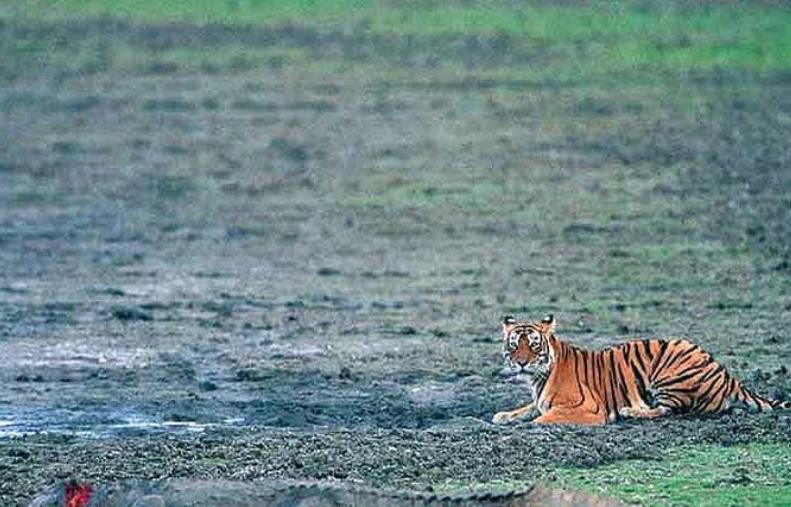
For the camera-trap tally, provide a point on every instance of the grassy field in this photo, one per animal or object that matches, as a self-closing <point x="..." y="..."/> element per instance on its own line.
<point x="309" y="217"/>
<point x="697" y="475"/>
<point x="574" y="43"/>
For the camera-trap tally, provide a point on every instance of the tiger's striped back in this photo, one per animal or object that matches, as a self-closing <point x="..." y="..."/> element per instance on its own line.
<point x="677" y="374"/>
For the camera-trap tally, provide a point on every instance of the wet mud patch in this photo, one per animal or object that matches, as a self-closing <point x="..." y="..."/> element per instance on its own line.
<point x="355" y="400"/>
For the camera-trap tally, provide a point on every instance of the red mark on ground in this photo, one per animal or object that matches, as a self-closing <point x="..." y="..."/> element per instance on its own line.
<point x="77" y="495"/>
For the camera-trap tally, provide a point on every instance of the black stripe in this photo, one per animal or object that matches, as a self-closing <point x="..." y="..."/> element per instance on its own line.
<point x="700" y="366"/>
<point x="671" y="357"/>
<point x="540" y="388"/>
<point x="708" y="389"/>
<point x="639" y="359"/>
<point x="578" y="354"/>
<point x="647" y="351"/>
<point x="732" y="385"/>
<point x="641" y="391"/>
<point x="613" y="381"/>
<point x="675" y="399"/>
<point x="683" y="390"/>
<point x="758" y="399"/>
<point x="637" y="353"/>
<point x="716" y="393"/>
<point x="724" y="397"/>
<point x="705" y="397"/>
<point x="677" y="379"/>
<point x="658" y="358"/>
<point x="712" y="373"/>
<point x="584" y="359"/>
<point x="601" y="387"/>
<point x="609" y="398"/>
<point x="639" y="375"/>
<point x="622" y="385"/>
<point x="753" y="398"/>
<point x="684" y="355"/>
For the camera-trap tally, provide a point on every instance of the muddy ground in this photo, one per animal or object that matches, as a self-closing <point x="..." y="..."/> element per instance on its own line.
<point x="302" y="271"/>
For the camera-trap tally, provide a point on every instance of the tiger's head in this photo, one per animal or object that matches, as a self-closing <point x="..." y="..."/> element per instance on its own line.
<point x="526" y="347"/>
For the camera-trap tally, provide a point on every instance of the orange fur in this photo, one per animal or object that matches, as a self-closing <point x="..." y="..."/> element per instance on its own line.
<point x="638" y="379"/>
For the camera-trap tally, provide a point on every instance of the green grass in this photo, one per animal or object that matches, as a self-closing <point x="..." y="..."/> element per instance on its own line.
<point x="580" y="42"/>
<point x="701" y="475"/>
<point x="270" y="12"/>
<point x="757" y="474"/>
<point x="518" y="192"/>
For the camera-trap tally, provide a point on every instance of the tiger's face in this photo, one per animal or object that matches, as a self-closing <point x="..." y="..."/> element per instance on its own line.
<point x="526" y="346"/>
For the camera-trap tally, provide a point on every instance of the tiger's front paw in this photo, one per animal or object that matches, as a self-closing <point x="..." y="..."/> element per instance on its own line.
<point x="502" y="418"/>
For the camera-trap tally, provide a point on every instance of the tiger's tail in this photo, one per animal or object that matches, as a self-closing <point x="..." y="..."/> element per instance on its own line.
<point x="756" y="401"/>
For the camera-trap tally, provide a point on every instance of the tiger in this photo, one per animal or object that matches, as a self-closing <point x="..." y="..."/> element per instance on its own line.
<point x="640" y="379"/>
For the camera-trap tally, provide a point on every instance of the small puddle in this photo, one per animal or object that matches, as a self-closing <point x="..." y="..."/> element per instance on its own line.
<point x="97" y="425"/>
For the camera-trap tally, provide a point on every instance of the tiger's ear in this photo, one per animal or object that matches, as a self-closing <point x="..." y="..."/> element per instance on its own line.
<point x="508" y="321"/>
<point x="548" y="323"/>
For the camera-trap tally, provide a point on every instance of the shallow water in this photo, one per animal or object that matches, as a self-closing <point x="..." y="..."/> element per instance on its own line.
<point x="98" y="425"/>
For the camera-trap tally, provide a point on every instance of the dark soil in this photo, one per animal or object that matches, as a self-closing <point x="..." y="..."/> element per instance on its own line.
<point x="304" y="276"/>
